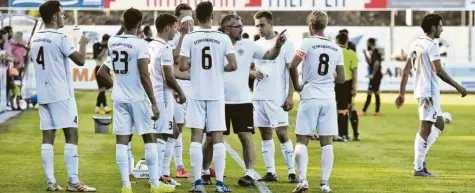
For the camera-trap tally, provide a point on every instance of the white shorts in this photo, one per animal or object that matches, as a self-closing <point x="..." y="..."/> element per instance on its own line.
<point x="209" y="113"/>
<point x="59" y="115"/>
<point x="164" y="125"/>
<point x="180" y="109"/>
<point x="317" y="114"/>
<point x="130" y="115"/>
<point x="269" y="113"/>
<point x="429" y="108"/>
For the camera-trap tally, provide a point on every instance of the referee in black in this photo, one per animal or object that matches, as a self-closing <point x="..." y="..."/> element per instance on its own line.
<point x="374" y="62"/>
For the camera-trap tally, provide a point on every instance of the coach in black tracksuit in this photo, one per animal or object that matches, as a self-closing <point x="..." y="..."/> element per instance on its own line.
<point x="375" y="76"/>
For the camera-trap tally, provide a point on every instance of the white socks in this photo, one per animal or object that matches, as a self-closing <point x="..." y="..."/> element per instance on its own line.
<point x="268" y="153"/>
<point x="123" y="164"/>
<point x="301" y="159"/>
<point x="219" y="160"/>
<point x="161" y="146"/>
<point x="288" y="153"/>
<point x="434" y="134"/>
<point x="131" y="158"/>
<point x="178" y="152"/>
<point x="168" y="156"/>
<point x="72" y="162"/>
<point x="420" y="146"/>
<point x="250" y="172"/>
<point x="47" y="156"/>
<point x="196" y="156"/>
<point x="327" y="163"/>
<point x="151" y="158"/>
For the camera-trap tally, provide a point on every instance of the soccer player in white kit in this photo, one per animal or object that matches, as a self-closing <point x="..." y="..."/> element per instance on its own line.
<point x="175" y="144"/>
<point x="50" y="54"/>
<point x="238" y="108"/>
<point x="273" y="98"/>
<point x="321" y="60"/>
<point x="133" y="97"/>
<point x="165" y="87"/>
<point x="207" y="50"/>
<point x="424" y="58"/>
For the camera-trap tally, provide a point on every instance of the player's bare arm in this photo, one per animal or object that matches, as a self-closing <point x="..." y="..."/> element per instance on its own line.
<point x="147" y="85"/>
<point x="185" y="28"/>
<point x="232" y="64"/>
<point x="80" y="57"/>
<point x="183" y="64"/>
<point x="355" y="81"/>
<point x="294" y="74"/>
<point x="446" y="78"/>
<point x="171" y="82"/>
<point x="404" y="77"/>
<point x="376" y="67"/>
<point x="275" y="51"/>
<point x="103" y="72"/>
<point x="340" y="74"/>
<point x="289" y="101"/>
<point x="179" y="74"/>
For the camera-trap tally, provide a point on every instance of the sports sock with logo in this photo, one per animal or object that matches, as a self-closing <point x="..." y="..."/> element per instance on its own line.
<point x="178" y="154"/>
<point x="168" y="156"/>
<point x="268" y="153"/>
<point x="301" y="160"/>
<point x="327" y="162"/>
<point x="123" y="164"/>
<point x="219" y="160"/>
<point x="287" y="150"/>
<point x="161" y="146"/>
<point x="420" y="146"/>
<point x="196" y="156"/>
<point x="151" y="158"/>
<point x="72" y="162"/>
<point x="47" y="156"/>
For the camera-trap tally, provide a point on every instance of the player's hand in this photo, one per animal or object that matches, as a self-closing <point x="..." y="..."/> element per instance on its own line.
<point x="186" y="27"/>
<point x="399" y="101"/>
<point x="156" y="112"/>
<point x="259" y="75"/>
<point x="462" y="91"/>
<point x="281" y="39"/>
<point x="83" y="40"/>
<point x="179" y="98"/>
<point x="288" y="104"/>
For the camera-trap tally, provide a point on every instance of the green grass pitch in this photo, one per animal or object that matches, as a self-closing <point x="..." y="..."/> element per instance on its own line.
<point x="381" y="162"/>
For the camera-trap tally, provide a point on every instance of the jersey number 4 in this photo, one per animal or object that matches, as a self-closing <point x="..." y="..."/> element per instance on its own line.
<point x="206" y="60"/>
<point x="323" y="64"/>
<point x="40" y="59"/>
<point x="122" y="57"/>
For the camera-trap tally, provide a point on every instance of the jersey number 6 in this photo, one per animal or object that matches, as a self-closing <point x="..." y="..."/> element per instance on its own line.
<point x="124" y="60"/>
<point x="323" y="63"/>
<point x="206" y="57"/>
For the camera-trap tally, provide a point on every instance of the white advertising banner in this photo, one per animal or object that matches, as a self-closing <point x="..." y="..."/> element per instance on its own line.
<point x="84" y="76"/>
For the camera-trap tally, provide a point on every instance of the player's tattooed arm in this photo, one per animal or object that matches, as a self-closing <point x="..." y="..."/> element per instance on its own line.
<point x="171" y="82"/>
<point x="232" y="64"/>
<point x="446" y="78"/>
<point x="183" y="63"/>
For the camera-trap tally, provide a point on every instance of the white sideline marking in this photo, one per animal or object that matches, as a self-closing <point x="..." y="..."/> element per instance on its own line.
<point x="261" y="186"/>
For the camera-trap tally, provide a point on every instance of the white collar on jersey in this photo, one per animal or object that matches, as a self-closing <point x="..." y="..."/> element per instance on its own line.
<point x="427" y="38"/>
<point x="161" y="40"/>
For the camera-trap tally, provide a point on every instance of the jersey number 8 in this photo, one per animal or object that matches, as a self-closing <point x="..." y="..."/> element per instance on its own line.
<point x="206" y="60"/>
<point x="124" y="59"/>
<point x="323" y="64"/>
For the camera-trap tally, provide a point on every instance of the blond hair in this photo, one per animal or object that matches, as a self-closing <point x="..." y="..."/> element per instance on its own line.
<point x="318" y="20"/>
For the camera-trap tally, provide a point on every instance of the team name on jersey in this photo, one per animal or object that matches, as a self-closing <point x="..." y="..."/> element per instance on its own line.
<point x="206" y="40"/>
<point x="121" y="45"/>
<point x="325" y="46"/>
<point x="42" y="40"/>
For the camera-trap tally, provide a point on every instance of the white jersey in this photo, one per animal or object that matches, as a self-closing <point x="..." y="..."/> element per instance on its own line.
<point x="124" y="51"/>
<point x="207" y="50"/>
<point x="184" y="84"/>
<point x="160" y="55"/>
<point x="275" y="84"/>
<point x="424" y="51"/>
<point x="236" y="87"/>
<point x="320" y="58"/>
<point x="50" y="50"/>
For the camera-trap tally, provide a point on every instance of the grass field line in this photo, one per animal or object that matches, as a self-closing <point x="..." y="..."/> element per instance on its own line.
<point x="261" y="186"/>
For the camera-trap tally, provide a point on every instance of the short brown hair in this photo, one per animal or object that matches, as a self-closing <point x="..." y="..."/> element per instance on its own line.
<point x="318" y="20"/>
<point x="265" y="14"/>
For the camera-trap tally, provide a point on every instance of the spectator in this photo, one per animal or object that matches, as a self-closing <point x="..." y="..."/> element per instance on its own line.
<point x="18" y="48"/>
<point x="373" y="58"/>
<point x="99" y="50"/>
<point x="351" y="45"/>
<point x="9" y="30"/>
<point x="148" y="33"/>
<point x="245" y="36"/>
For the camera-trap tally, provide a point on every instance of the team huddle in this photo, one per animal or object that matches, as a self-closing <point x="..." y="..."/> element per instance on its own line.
<point x="202" y="77"/>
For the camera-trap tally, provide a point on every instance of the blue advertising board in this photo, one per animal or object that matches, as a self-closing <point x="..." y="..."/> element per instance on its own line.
<point x="91" y="4"/>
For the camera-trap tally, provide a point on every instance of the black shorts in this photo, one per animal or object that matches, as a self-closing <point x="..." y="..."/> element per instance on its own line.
<point x="241" y="116"/>
<point x="374" y="84"/>
<point x="342" y="93"/>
